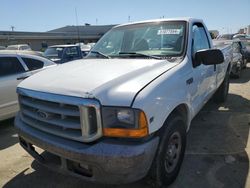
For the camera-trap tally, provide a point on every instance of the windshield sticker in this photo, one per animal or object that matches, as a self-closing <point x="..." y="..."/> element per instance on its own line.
<point x="169" y="32"/>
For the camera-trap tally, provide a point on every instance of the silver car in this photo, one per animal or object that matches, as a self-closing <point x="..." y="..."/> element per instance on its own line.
<point x="15" y="67"/>
<point x="19" y="47"/>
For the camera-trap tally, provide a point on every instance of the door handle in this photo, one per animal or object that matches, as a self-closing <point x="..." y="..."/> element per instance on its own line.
<point x="22" y="78"/>
<point x="189" y="81"/>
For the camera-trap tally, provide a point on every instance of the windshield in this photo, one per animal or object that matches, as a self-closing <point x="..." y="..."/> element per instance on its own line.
<point x="155" y="39"/>
<point x="54" y="52"/>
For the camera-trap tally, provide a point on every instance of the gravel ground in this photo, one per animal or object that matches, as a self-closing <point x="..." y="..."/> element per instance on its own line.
<point x="217" y="153"/>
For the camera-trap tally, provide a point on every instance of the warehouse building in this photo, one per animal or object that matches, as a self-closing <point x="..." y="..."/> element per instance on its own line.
<point x="64" y="35"/>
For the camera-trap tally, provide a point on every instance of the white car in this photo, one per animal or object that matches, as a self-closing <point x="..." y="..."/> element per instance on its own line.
<point x="21" y="47"/>
<point x="15" y="67"/>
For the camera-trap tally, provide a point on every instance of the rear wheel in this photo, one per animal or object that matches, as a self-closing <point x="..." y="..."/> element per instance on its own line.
<point x="169" y="157"/>
<point x="222" y="92"/>
<point x="244" y="63"/>
<point x="236" y="74"/>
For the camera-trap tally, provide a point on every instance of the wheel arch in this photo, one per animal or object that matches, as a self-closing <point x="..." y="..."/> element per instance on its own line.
<point x="182" y="110"/>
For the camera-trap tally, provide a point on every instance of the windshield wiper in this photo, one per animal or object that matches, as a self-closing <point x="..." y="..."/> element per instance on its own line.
<point x="140" y="55"/>
<point x="100" y="53"/>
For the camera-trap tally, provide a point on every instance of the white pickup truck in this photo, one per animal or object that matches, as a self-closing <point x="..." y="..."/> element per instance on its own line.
<point x="123" y="112"/>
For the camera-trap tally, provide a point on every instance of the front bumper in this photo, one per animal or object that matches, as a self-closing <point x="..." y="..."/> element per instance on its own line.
<point x="105" y="161"/>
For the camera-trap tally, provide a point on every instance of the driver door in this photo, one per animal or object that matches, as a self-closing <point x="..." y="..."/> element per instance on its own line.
<point x="204" y="75"/>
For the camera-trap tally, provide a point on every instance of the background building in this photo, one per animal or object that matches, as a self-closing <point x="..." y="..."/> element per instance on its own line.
<point x="64" y="35"/>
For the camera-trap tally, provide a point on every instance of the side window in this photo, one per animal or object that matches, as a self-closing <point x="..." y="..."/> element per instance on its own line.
<point x="236" y="47"/>
<point x="10" y="66"/>
<point x="24" y="48"/>
<point x="33" y="64"/>
<point x="71" y="52"/>
<point x="200" y="40"/>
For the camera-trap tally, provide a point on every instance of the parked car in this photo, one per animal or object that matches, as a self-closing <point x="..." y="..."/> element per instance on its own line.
<point x="28" y="52"/>
<point x="63" y="53"/>
<point x="19" y="47"/>
<point x="238" y="62"/>
<point x="15" y="67"/>
<point x="241" y="36"/>
<point x="225" y="37"/>
<point x="245" y="49"/>
<point x="123" y="112"/>
<point x="85" y="48"/>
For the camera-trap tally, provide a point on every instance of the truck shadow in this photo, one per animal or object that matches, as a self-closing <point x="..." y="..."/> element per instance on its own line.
<point x="216" y="154"/>
<point x="8" y="136"/>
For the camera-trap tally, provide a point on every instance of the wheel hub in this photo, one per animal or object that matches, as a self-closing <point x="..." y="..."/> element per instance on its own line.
<point x="173" y="152"/>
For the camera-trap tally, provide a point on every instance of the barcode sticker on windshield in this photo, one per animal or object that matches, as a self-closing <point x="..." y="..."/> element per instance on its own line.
<point x="169" y="32"/>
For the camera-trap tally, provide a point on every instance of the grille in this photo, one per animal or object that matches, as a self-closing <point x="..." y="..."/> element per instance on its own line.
<point x="68" y="117"/>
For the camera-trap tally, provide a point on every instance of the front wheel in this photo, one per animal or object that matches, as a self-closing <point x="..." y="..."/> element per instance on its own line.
<point x="170" y="153"/>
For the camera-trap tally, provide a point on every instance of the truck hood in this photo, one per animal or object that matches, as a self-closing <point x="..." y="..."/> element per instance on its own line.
<point x="111" y="81"/>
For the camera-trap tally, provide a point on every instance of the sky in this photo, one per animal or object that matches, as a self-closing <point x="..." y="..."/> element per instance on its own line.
<point x="227" y="16"/>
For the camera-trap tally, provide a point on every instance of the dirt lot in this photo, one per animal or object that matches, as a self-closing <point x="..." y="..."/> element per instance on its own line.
<point x="217" y="153"/>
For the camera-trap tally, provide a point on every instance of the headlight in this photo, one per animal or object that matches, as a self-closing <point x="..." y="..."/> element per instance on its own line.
<point x="124" y="122"/>
<point x="126" y="116"/>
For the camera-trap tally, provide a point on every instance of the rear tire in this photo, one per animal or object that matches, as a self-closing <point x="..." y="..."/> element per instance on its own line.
<point x="237" y="74"/>
<point x="244" y="63"/>
<point x="221" y="94"/>
<point x="170" y="153"/>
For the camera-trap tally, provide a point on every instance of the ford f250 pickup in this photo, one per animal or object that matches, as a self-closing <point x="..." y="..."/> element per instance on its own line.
<point x="123" y="112"/>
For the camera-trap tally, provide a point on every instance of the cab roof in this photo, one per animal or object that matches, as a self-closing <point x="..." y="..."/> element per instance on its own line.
<point x="187" y="19"/>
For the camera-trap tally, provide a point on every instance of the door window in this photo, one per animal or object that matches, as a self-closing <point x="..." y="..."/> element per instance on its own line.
<point x="25" y="48"/>
<point x="10" y="66"/>
<point x="33" y="64"/>
<point x="200" y="40"/>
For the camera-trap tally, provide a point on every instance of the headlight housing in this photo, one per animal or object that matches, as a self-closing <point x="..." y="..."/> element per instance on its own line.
<point x="124" y="122"/>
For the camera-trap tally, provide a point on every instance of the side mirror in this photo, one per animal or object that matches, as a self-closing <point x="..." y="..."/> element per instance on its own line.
<point x="208" y="57"/>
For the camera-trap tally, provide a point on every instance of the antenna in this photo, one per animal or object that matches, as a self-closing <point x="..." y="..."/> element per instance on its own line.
<point x="96" y="21"/>
<point x="77" y="27"/>
<point x="128" y="18"/>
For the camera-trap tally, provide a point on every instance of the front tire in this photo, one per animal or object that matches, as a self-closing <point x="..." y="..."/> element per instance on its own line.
<point x="170" y="153"/>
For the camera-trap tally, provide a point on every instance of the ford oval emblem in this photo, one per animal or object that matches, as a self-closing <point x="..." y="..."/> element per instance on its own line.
<point x="43" y="115"/>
